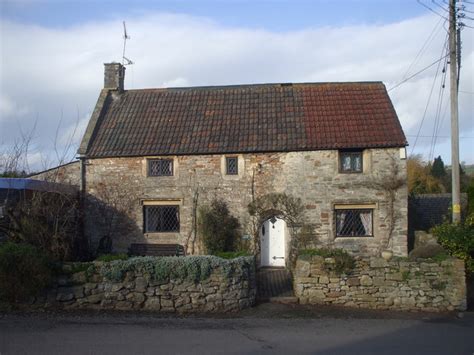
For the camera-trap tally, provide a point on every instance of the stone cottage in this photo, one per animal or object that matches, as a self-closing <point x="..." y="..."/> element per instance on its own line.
<point x="153" y="156"/>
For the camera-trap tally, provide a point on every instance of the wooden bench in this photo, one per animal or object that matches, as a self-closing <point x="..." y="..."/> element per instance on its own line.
<point x="144" y="249"/>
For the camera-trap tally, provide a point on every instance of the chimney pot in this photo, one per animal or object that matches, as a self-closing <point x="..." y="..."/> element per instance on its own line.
<point x="114" y="75"/>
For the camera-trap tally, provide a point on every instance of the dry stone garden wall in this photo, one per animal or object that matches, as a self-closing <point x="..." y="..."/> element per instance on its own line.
<point x="168" y="284"/>
<point x="375" y="283"/>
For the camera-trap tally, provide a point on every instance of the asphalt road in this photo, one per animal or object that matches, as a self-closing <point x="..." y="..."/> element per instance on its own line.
<point x="277" y="330"/>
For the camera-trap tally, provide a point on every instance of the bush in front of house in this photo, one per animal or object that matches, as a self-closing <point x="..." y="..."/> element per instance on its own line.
<point x="344" y="262"/>
<point x="458" y="240"/>
<point x="24" y="271"/>
<point x="112" y="257"/>
<point x="184" y="268"/>
<point x="48" y="221"/>
<point x="232" y="254"/>
<point x="218" y="228"/>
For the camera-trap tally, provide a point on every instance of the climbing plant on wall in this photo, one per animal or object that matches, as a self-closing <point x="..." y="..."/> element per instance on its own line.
<point x="287" y="207"/>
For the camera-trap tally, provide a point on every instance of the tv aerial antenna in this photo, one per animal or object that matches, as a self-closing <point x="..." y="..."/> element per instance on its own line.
<point x="125" y="60"/>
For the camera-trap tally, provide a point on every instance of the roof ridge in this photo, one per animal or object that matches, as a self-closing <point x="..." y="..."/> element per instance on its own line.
<point x="259" y="85"/>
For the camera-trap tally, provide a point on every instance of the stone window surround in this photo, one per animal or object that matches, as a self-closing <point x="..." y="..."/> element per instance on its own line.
<point x="161" y="202"/>
<point x="366" y="161"/>
<point x="240" y="166"/>
<point x="160" y="170"/>
<point x="355" y="205"/>
<point x="145" y="161"/>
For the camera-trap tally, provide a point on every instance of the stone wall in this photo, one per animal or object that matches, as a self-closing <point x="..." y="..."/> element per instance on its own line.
<point x="375" y="283"/>
<point x="90" y="289"/>
<point x="312" y="176"/>
<point x="69" y="173"/>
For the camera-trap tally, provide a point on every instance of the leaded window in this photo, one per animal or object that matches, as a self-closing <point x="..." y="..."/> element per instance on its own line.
<point x="354" y="222"/>
<point x="161" y="218"/>
<point x="160" y="167"/>
<point x="232" y="166"/>
<point x="350" y="162"/>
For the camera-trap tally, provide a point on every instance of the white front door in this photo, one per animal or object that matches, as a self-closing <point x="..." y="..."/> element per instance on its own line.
<point x="272" y="242"/>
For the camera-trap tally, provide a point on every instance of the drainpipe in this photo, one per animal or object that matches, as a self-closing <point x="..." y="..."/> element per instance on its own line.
<point x="82" y="200"/>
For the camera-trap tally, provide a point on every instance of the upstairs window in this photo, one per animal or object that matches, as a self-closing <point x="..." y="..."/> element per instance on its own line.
<point x="354" y="222"/>
<point x="350" y="161"/>
<point x="160" y="167"/>
<point x="161" y="219"/>
<point x="232" y="165"/>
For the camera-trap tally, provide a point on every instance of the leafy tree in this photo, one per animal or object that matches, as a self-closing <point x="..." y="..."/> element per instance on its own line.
<point x="13" y="174"/>
<point x="470" y="197"/>
<point x="420" y="180"/>
<point x="464" y="179"/>
<point x="438" y="169"/>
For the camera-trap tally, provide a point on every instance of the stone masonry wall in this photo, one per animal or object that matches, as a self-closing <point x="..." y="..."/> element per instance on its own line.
<point x="138" y="291"/>
<point x="65" y="174"/>
<point x="376" y="283"/>
<point x="312" y="176"/>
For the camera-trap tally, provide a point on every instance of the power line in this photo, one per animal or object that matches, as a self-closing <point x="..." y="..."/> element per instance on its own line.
<point x="422" y="49"/>
<point x="433" y="11"/>
<point x="419" y="72"/>
<point x="429" y="98"/>
<point x="439" y="105"/>
<point x="440" y="6"/>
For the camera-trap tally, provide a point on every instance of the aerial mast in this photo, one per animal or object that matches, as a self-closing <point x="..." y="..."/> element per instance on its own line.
<point x="125" y="60"/>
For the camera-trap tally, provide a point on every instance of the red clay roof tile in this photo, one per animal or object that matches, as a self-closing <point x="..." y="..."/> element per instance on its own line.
<point x="248" y="118"/>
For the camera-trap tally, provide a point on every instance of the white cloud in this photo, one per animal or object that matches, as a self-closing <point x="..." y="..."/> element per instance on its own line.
<point x="9" y="108"/>
<point x="59" y="71"/>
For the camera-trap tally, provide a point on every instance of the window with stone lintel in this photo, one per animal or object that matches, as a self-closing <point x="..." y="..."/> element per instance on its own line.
<point x="354" y="220"/>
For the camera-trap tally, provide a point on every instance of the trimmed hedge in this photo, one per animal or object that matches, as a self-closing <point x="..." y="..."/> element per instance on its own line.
<point x="232" y="254"/>
<point x="112" y="257"/>
<point x="164" y="269"/>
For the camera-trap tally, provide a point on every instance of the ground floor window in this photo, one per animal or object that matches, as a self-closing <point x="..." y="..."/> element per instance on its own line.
<point x="161" y="218"/>
<point x="353" y="222"/>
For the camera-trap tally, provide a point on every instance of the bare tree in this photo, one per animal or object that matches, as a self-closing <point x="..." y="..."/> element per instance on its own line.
<point x="14" y="158"/>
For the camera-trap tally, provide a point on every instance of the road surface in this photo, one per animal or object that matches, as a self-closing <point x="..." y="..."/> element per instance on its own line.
<point x="278" y="330"/>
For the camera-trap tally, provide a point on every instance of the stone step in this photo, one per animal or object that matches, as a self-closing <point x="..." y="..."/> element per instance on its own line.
<point x="284" y="300"/>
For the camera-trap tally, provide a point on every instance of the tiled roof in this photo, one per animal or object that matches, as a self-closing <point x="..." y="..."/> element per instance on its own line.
<point x="247" y="118"/>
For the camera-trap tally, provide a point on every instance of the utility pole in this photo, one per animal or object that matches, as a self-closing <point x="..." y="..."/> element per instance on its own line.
<point x="456" y="198"/>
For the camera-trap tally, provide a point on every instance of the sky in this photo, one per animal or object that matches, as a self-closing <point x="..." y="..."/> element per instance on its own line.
<point x="52" y="54"/>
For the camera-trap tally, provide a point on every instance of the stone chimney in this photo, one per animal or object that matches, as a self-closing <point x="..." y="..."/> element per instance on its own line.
<point x="114" y="76"/>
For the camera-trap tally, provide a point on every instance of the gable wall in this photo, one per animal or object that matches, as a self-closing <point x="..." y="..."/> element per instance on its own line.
<point x="64" y="174"/>
<point x="311" y="176"/>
